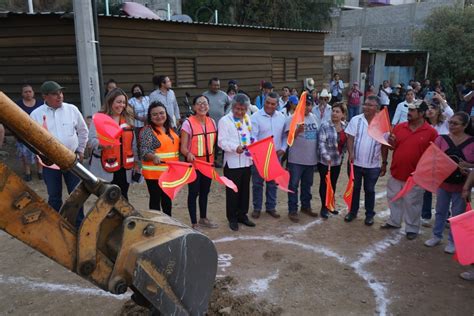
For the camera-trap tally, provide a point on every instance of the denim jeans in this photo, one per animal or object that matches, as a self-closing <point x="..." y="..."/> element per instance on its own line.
<point x="304" y="174"/>
<point x="257" y="192"/>
<point x="443" y="200"/>
<point x="353" y="111"/>
<point x="370" y="177"/>
<point x="323" y="170"/>
<point x="427" y="201"/>
<point x="54" y="184"/>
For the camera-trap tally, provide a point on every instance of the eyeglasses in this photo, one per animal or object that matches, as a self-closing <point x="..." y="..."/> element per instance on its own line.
<point x="454" y="123"/>
<point x="202" y="103"/>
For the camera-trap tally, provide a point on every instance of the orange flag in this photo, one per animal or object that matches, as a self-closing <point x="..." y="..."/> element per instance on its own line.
<point x="108" y="131"/>
<point x="208" y="170"/>
<point x="178" y="174"/>
<point x="330" y="200"/>
<point x="349" y="188"/>
<point x="298" y="118"/>
<point x="432" y="169"/>
<point x="379" y="126"/>
<point x="266" y="161"/>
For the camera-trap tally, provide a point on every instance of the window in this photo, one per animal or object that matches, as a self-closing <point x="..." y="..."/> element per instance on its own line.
<point x="284" y="69"/>
<point x="182" y="71"/>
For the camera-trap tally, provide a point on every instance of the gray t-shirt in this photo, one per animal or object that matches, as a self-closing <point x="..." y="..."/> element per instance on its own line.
<point x="303" y="151"/>
<point x="218" y="104"/>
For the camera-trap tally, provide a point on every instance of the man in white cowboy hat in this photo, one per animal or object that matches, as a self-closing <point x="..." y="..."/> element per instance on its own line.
<point x="402" y="108"/>
<point x="323" y="110"/>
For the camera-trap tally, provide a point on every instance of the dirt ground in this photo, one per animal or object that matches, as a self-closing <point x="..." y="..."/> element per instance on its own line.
<point x="315" y="267"/>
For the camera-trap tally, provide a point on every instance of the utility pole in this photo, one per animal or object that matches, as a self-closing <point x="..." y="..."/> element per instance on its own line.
<point x="86" y="57"/>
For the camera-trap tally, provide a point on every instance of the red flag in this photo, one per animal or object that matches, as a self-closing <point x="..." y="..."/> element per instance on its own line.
<point x="349" y="188"/>
<point x="266" y="161"/>
<point x="208" y="170"/>
<point x="431" y="170"/>
<point x="178" y="174"/>
<point x="462" y="228"/>
<point x="108" y="130"/>
<point x="330" y="201"/>
<point x="298" y="118"/>
<point x="379" y="126"/>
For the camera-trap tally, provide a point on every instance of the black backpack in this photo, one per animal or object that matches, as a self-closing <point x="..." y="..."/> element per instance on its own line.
<point x="456" y="154"/>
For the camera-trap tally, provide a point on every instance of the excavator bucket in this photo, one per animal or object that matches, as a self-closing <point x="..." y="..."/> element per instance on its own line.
<point x="170" y="267"/>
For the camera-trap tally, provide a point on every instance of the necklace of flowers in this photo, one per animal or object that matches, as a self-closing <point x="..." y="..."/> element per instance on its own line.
<point x="243" y="136"/>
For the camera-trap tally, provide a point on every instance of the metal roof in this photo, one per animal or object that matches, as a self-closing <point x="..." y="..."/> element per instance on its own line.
<point x="10" y="13"/>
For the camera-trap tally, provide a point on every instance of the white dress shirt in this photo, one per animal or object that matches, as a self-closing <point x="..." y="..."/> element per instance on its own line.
<point x="65" y="123"/>
<point x="264" y="125"/>
<point x="367" y="150"/>
<point x="229" y="138"/>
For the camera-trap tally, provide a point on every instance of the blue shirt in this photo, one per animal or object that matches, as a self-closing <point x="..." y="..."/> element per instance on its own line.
<point x="264" y="125"/>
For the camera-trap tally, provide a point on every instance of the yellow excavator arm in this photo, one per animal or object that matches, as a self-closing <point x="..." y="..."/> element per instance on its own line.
<point x="170" y="267"/>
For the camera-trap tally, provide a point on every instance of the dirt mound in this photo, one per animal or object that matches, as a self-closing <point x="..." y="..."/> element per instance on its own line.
<point x="222" y="302"/>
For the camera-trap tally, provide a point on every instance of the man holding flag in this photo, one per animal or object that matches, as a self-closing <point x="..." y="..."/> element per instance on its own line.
<point x="409" y="140"/>
<point x="267" y="122"/>
<point x="365" y="154"/>
<point x="302" y="159"/>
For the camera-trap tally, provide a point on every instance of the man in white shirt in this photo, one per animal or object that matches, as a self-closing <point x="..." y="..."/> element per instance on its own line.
<point x="365" y="153"/>
<point x="267" y="122"/>
<point x="166" y="96"/>
<point x="402" y="108"/>
<point x="285" y="95"/>
<point x="384" y="93"/>
<point x="65" y="122"/>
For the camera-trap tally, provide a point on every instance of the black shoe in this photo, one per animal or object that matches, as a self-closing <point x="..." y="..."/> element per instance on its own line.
<point x="324" y="215"/>
<point x="234" y="226"/>
<point x="27" y="177"/>
<point x="334" y="212"/>
<point x="350" y="217"/>
<point x="388" y="226"/>
<point x="247" y="222"/>
<point x="369" y="221"/>
<point x="411" y="236"/>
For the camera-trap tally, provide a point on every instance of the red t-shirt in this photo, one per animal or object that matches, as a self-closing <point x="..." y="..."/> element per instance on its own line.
<point x="409" y="146"/>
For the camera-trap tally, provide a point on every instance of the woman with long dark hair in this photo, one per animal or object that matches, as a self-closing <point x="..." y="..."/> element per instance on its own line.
<point x="158" y="143"/>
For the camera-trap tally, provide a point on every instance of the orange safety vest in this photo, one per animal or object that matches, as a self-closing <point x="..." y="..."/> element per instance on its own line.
<point x="203" y="139"/>
<point x="120" y="155"/>
<point x="168" y="151"/>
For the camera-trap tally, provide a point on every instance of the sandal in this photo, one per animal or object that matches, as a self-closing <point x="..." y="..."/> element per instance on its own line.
<point x="207" y="223"/>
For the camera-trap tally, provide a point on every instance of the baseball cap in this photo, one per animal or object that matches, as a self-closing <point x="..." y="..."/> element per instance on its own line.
<point x="267" y="85"/>
<point x="50" y="86"/>
<point x="418" y="105"/>
<point x="293" y="99"/>
<point x="232" y="82"/>
<point x="309" y="98"/>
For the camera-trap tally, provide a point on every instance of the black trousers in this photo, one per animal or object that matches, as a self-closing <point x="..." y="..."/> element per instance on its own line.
<point x="199" y="188"/>
<point x="237" y="204"/>
<point x="323" y="170"/>
<point x="158" y="199"/>
<point x="120" y="179"/>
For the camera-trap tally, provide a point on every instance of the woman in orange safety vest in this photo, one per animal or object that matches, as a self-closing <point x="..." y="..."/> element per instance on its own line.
<point x="115" y="164"/>
<point x="158" y="143"/>
<point x="198" y="140"/>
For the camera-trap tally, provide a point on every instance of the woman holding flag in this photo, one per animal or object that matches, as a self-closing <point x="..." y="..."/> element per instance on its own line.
<point x="158" y="143"/>
<point x="198" y="138"/>
<point x="115" y="163"/>
<point x="234" y="136"/>
<point x="332" y="145"/>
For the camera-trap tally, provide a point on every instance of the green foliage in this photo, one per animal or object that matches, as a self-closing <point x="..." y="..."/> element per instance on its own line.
<point x="297" y="14"/>
<point x="448" y="34"/>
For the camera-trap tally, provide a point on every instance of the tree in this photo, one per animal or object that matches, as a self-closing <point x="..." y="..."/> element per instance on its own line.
<point x="448" y="35"/>
<point x="297" y="14"/>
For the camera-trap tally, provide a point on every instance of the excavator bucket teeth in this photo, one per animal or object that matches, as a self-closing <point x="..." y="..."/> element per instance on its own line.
<point x="177" y="277"/>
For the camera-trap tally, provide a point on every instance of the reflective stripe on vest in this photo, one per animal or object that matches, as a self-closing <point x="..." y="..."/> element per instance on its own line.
<point x="168" y="151"/>
<point x="203" y="138"/>
<point x="120" y="156"/>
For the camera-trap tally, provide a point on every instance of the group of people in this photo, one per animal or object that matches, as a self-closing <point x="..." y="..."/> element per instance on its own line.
<point x="154" y="132"/>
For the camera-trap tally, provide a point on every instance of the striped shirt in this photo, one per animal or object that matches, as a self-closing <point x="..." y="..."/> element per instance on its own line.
<point x="140" y="108"/>
<point x="328" y="141"/>
<point x="366" y="149"/>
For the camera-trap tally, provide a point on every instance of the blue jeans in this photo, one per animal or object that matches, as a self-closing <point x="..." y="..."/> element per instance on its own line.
<point x="353" y="111"/>
<point x="303" y="174"/>
<point x="443" y="200"/>
<point x="54" y="184"/>
<point x="257" y="192"/>
<point x="427" y="201"/>
<point x="370" y="177"/>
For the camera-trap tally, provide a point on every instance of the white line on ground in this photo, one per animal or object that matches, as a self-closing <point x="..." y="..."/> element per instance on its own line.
<point x="57" y="287"/>
<point x="261" y="285"/>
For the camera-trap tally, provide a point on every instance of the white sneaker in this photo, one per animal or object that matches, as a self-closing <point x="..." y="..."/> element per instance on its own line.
<point x="468" y="275"/>
<point x="425" y="222"/>
<point x="433" y="241"/>
<point x="450" y="248"/>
